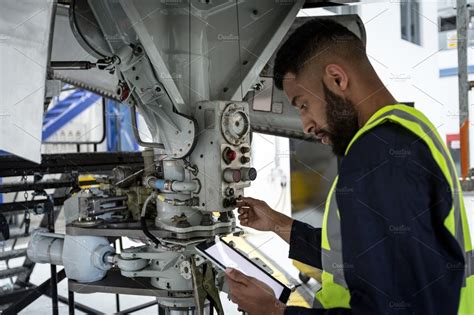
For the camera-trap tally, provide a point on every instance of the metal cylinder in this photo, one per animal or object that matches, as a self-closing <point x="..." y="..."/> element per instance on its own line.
<point x="85" y="258"/>
<point x="46" y="248"/>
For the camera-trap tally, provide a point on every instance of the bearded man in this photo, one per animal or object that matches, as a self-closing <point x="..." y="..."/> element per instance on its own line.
<point x="394" y="236"/>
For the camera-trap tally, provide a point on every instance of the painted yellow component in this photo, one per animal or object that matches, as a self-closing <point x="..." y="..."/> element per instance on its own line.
<point x="86" y="178"/>
<point x="161" y="198"/>
<point x="303" y="186"/>
<point x="296" y="299"/>
<point x="308" y="270"/>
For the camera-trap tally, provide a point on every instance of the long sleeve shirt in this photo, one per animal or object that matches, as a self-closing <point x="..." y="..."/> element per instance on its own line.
<point x="393" y="199"/>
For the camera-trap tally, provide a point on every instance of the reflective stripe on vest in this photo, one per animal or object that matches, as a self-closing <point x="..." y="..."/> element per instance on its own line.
<point x="335" y="286"/>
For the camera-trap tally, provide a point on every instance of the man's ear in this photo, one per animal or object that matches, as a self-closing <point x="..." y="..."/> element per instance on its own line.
<point x="335" y="77"/>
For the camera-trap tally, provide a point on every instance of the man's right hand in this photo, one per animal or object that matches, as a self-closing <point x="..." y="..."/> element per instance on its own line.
<point x="258" y="215"/>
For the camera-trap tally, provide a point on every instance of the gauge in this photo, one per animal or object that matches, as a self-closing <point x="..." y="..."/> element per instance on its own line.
<point x="235" y="124"/>
<point x="238" y="123"/>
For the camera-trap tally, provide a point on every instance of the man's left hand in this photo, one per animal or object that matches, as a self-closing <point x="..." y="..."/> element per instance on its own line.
<point x="252" y="295"/>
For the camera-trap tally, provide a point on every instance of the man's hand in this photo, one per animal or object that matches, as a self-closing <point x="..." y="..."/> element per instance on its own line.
<point x="258" y="215"/>
<point x="252" y="295"/>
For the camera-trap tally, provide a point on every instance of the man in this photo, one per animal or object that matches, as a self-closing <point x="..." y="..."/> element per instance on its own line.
<point x="395" y="237"/>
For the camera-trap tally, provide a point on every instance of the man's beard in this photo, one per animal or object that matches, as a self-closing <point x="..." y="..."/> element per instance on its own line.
<point x="342" y="121"/>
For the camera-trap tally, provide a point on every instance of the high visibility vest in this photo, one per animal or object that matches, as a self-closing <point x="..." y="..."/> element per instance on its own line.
<point x="334" y="292"/>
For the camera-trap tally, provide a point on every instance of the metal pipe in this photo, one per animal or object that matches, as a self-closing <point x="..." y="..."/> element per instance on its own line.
<point x="41" y="185"/>
<point x="112" y="199"/>
<point x="71" y="303"/>
<point x="138" y="307"/>
<point x="72" y="65"/>
<point x="54" y="290"/>
<point x="54" y="277"/>
<point x="20" y="206"/>
<point x="7" y="273"/>
<point x="462" y="24"/>
<point x="107" y="210"/>
<point x="171" y="185"/>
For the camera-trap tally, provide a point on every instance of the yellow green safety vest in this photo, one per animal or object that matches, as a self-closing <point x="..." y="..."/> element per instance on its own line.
<point x="334" y="292"/>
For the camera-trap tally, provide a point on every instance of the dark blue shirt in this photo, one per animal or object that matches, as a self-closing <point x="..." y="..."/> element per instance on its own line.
<point x="399" y="258"/>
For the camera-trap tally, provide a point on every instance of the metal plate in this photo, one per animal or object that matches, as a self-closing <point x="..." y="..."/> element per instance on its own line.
<point x="114" y="282"/>
<point x="24" y="41"/>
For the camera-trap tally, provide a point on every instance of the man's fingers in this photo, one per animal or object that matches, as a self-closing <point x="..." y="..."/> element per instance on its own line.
<point x="234" y="299"/>
<point x="246" y="201"/>
<point x="244" y="222"/>
<point x="241" y="203"/>
<point x="243" y="210"/>
<point x="244" y="216"/>
<point x="236" y="276"/>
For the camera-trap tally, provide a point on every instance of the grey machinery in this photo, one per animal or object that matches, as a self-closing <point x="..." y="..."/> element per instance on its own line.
<point x="197" y="72"/>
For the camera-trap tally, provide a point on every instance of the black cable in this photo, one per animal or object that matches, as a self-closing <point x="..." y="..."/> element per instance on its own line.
<point x="147" y="232"/>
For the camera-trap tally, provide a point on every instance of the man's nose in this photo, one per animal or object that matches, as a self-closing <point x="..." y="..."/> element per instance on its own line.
<point x="308" y="129"/>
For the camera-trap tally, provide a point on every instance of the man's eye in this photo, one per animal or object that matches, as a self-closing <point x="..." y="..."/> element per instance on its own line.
<point x="303" y="106"/>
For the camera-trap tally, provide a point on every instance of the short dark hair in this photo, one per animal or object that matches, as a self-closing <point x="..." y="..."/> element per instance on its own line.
<point x="314" y="38"/>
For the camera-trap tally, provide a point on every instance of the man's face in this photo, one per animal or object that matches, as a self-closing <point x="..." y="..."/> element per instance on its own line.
<point x="330" y="117"/>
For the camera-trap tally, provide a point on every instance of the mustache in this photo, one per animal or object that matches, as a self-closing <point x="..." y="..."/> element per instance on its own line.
<point x="324" y="131"/>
